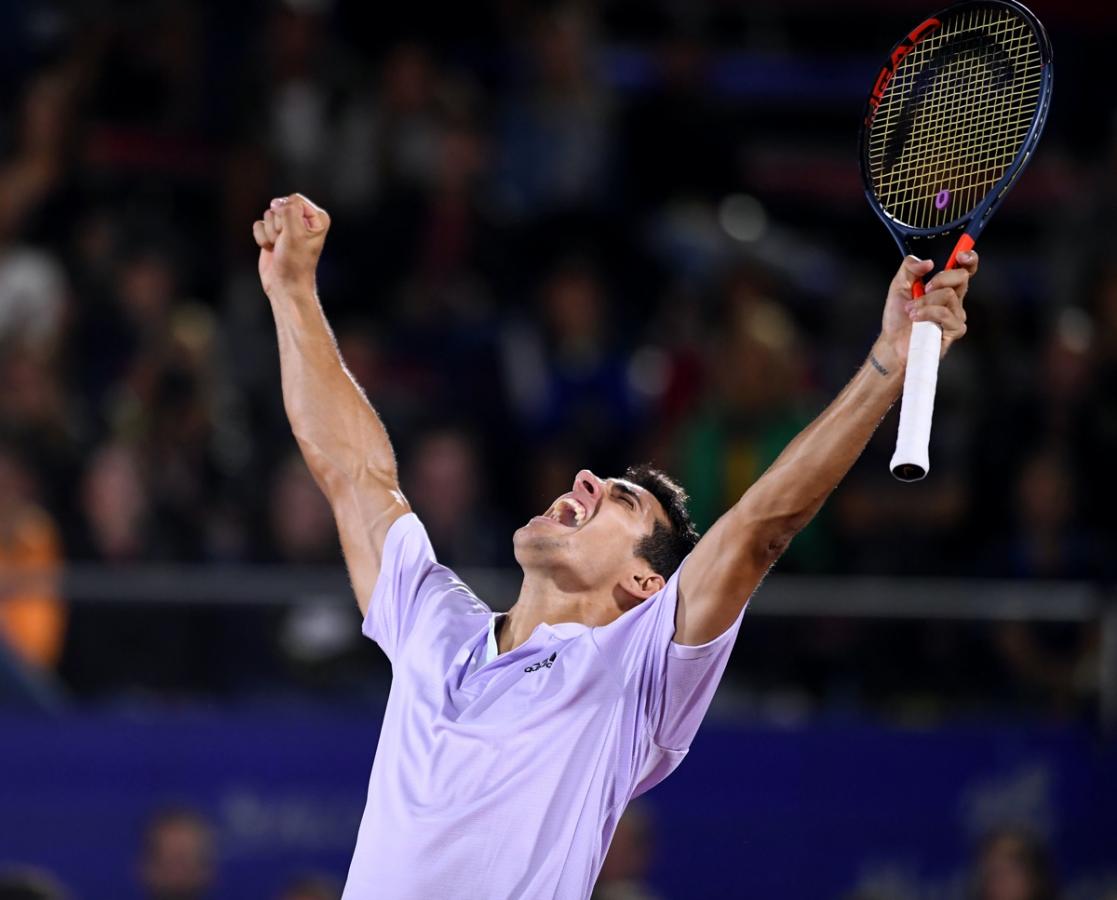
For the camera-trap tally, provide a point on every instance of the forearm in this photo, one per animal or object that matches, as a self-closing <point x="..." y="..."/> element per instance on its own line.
<point x="731" y="559"/>
<point x="341" y="437"/>
<point x="796" y="485"/>
<point x="338" y="431"/>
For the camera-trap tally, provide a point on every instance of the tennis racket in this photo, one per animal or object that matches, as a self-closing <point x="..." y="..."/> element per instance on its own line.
<point x="952" y="120"/>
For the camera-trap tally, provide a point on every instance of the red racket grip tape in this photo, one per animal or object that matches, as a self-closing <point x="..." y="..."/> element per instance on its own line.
<point x="964" y="245"/>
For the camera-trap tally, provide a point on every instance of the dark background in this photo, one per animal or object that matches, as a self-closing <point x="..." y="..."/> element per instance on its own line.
<point x="563" y="237"/>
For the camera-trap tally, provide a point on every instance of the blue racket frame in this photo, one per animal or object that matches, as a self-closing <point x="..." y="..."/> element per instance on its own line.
<point x="931" y="243"/>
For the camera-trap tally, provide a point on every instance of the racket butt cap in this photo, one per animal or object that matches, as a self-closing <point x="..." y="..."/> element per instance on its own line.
<point x="908" y="471"/>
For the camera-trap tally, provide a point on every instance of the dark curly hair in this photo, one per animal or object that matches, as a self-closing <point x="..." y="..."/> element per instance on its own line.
<point x="667" y="546"/>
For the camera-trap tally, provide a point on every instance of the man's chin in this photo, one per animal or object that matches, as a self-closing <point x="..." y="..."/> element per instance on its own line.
<point x="539" y="540"/>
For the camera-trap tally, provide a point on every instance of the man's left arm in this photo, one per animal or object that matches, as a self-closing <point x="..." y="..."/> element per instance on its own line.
<point x="735" y="554"/>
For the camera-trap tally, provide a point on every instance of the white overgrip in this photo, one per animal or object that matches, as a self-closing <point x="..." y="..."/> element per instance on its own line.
<point x="911" y="461"/>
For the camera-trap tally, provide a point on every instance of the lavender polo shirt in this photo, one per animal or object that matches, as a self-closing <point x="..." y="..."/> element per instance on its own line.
<point x="505" y="779"/>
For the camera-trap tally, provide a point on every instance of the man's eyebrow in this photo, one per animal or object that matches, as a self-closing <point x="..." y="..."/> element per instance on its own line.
<point x="625" y="489"/>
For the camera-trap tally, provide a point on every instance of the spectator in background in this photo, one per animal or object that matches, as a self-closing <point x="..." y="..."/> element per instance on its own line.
<point x="569" y="380"/>
<point x="299" y="519"/>
<point x="115" y="526"/>
<point x="1044" y="542"/>
<point x="32" y="617"/>
<point x="624" y="874"/>
<point x="453" y="233"/>
<point x="178" y="856"/>
<point x="556" y="138"/>
<point x="391" y="136"/>
<point x="415" y="148"/>
<point x="168" y="650"/>
<point x="1055" y="662"/>
<point x="311" y="887"/>
<point x="114" y="505"/>
<point x="1013" y="864"/>
<point x="446" y="488"/>
<point x="32" y="298"/>
<point x="313" y="637"/>
<point x="304" y="73"/>
<point x="145" y="291"/>
<point x="177" y="432"/>
<point x="436" y="254"/>
<point x="756" y="403"/>
<point x="33" y="412"/>
<point x="34" y="169"/>
<point x="29" y="884"/>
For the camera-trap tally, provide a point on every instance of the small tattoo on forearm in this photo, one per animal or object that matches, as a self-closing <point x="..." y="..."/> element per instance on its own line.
<point x="877" y="365"/>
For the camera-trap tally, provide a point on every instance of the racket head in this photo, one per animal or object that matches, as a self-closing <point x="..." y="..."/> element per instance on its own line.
<point x="952" y="119"/>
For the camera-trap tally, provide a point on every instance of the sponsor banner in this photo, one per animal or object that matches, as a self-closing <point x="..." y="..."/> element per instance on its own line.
<point x="819" y="811"/>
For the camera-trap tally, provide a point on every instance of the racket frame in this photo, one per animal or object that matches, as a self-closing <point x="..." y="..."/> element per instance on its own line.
<point x="961" y="233"/>
<point x="972" y="223"/>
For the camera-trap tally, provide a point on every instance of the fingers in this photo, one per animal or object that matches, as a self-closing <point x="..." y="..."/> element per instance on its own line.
<point x="295" y="213"/>
<point x="298" y="210"/>
<point x="956" y="279"/>
<point x="967" y="261"/>
<point x="911" y="270"/>
<point x="914" y="268"/>
<point x="944" y="308"/>
<point x="272" y="226"/>
<point x="260" y="235"/>
<point x="941" y="296"/>
<point x="317" y="220"/>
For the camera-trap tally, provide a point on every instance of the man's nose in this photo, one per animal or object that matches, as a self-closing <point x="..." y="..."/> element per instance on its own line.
<point x="586" y="481"/>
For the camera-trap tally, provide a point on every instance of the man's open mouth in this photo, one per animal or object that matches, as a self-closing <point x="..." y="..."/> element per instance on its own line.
<point x="567" y="511"/>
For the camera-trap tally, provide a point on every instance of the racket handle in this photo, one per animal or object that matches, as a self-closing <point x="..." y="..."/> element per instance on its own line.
<point x="911" y="461"/>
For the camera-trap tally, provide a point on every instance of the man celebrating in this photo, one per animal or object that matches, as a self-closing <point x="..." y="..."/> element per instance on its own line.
<point x="512" y="743"/>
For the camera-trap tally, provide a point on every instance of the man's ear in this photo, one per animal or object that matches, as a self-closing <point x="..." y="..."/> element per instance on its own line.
<point x="636" y="587"/>
<point x="642" y="585"/>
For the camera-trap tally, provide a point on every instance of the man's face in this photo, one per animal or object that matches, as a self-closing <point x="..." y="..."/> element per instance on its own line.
<point x="587" y="539"/>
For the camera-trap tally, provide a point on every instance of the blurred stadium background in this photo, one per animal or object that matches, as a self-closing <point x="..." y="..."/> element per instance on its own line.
<point x="574" y="235"/>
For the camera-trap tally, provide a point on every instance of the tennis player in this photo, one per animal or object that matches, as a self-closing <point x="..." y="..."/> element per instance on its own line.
<point x="512" y="743"/>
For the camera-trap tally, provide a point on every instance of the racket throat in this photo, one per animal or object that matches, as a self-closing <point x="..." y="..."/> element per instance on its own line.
<point x="941" y="249"/>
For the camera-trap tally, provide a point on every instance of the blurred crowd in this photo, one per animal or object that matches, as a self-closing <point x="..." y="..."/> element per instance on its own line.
<point x="564" y="236"/>
<point x="179" y="858"/>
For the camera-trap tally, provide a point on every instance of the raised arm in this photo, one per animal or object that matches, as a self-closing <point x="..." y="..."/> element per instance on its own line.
<point x="734" y="555"/>
<point x="339" y="433"/>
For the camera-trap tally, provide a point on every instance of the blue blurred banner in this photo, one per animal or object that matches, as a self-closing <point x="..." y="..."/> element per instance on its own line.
<point x="755" y="812"/>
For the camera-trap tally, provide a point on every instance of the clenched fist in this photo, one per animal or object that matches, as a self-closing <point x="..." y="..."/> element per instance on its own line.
<point x="290" y="236"/>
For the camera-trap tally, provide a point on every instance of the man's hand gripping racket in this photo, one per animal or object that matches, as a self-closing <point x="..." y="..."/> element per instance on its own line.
<point x="940" y="303"/>
<point x="952" y="120"/>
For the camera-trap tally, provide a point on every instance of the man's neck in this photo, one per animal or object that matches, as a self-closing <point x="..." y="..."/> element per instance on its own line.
<point x="541" y="601"/>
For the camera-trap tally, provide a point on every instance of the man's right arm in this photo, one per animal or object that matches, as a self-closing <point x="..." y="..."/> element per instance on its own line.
<point x="339" y="433"/>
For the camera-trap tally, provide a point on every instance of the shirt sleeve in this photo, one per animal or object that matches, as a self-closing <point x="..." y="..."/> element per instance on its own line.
<point x="406" y="569"/>
<point x="673" y="683"/>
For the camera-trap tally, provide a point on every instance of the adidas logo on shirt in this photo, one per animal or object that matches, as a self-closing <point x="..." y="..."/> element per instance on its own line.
<point x="542" y="664"/>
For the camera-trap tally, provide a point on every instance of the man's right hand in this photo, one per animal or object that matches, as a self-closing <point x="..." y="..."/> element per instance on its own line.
<point x="290" y="236"/>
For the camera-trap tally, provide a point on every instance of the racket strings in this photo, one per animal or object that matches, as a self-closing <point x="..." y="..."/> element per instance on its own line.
<point x="969" y="110"/>
<point x="954" y="116"/>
